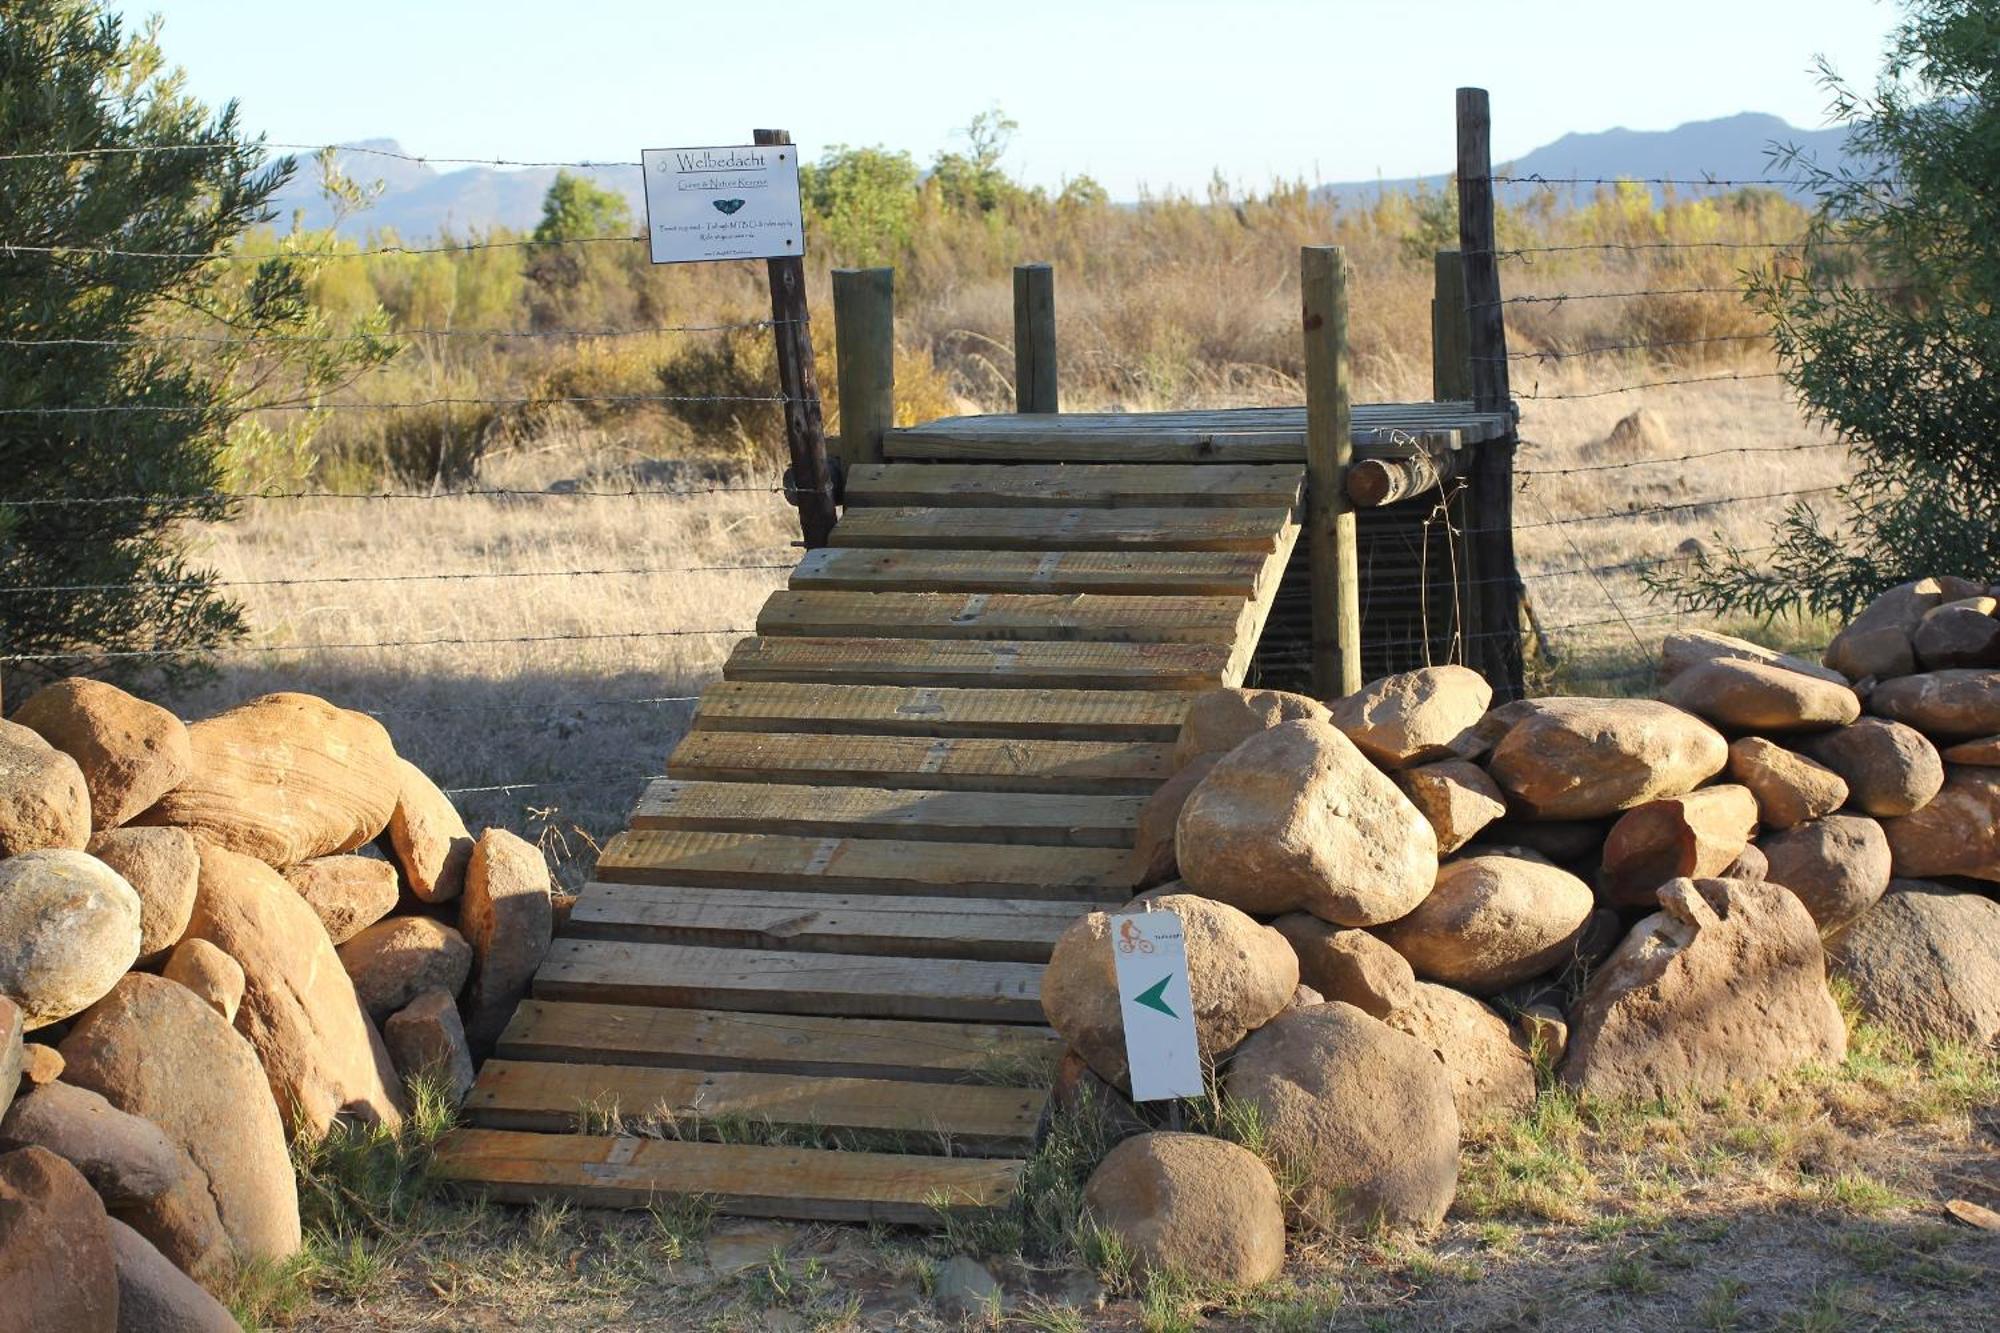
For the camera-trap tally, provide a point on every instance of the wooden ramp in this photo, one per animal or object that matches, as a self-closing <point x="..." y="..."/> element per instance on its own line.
<point x="806" y="982"/>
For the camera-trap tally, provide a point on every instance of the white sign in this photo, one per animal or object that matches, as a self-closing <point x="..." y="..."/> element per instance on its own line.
<point x="1151" y="957"/>
<point x="723" y="203"/>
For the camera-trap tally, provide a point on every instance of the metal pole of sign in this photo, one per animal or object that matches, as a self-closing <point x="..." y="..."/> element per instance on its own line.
<point x="814" y="488"/>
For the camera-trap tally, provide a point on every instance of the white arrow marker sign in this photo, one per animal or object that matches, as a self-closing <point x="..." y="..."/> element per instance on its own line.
<point x="1160" y="1046"/>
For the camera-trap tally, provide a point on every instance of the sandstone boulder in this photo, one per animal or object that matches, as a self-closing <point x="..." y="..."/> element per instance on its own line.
<point x="43" y="801"/>
<point x="1724" y="986"/>
<point x="1455" y="797"/>
<point x="1838" y="866"/>
<point x="39" y="1064"/>
<point x="208" y="972"/>
<point x="1699" y="834"/>
<point x="426" y="1039"/>
<point x="397" y="959"/>
<point x="1361" y="1112"/>
<point x="1982" y="753"/>
<point x="508" y="919"/>
<point x="1348" y="965"/>
<point x="322" y="1056"/>
<point x="1751" y="696"/>
<point x="1153" y="861"/>
<point x="153" y="1049"/>
<point x="69" y="928"/>
<point x="1296" y="818"/>
<point x="1925" y="962"/>
<point x="1239" y="975"/>
<point x="1563" y="842"/>
<point x="285" y="778"/>
<point x="1957" y="833"/>
<point x="1958" y="634"/>
<point x="1416" y="717"/>
<point x="1945" y="705"/>
<point x="429" y="840"/>
<point x="156" y="1297"/>
<point x="1587" y="758"/>
<point x="1220" y="720"/>
<point x="1877" y="642"/>
<point x="1191" y="1205"/>
<point x="347" y="893"/>
<point x="131" y="752"/>
<point x="1889" y="768"/>
<point x="126" y="1158"/>
<point x="1492" y="921"/>
<point x="1492" y="1073"/>
<point x="1789" y="788"/>
<point x="1545" y="1031"/>
<point x="57" y="1271"/>
<point x="1691" y="648"/>
<point x="161" y="866"/>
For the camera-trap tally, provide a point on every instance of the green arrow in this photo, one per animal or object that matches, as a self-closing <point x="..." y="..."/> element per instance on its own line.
<point x="1153" y="996"/>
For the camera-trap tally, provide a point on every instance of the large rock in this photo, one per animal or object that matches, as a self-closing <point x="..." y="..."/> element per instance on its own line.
<point x="1957" y="833"/>
<point x="1877" y="642"/>
<point x="394" y="961"/>
<point x="1982" y="753"/>
<point x="156" y="1297"/>
<point x="1190" y="1205"/>
<point x="1925" y="962"/>
<point x="69" y="928"/>
<point x="13" y="1058"/>
<point x="1297" y="819"/>
<point x="1724" y="986"/>
<point x="1416" y="717"/>
<point x="429" y="840"/>
<point x="508" y="919"/>
<point x="161" y="866"/>
<point x="1587" y="758"/>
<point x="347" y="893"/>
<point x="1239" y="975"/>
<point x="1838" y="866"/>
<point x="1363" y="1115"/>
<point x="57" y="1272"/>
<point x="1789" y="788"/>
<point x="1455" y="797"/>
<point x="1219" y="720"/>
<point x="131" y="752"/>
<point x="1890" y="769"/>
<point x="1699" y="834"/>
<point x="126" y="1158"/>
<point x="1691" y="648"/>
<point x="1945" y="705"/>
<point x="1565" y="842"/>
<point x="1492" y="1072"/>
<point x="43" y="800"/>
<point x="285" y="778"/>
<point x="426" y="1039"/>
<point x="1153" y="861"/>
<point x="1348" y="965"/>
<point x="1751" y="696"/>
<point x="322" y="1056"/>
<point x="153" y="1049"/>
<point x="1958" y="634"/>
<point x="208" y="972"/>
<point x="1492" y="921"/>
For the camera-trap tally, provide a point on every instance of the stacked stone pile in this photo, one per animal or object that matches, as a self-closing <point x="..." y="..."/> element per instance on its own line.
<point x="216" y="939"/>
<point x="1401" y="907"/>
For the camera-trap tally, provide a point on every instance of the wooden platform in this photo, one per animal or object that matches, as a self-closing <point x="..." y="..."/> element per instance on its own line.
<point x="806" y="981"/>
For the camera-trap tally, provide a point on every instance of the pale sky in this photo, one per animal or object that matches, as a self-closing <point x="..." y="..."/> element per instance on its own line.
<point x="1157" y="94"/>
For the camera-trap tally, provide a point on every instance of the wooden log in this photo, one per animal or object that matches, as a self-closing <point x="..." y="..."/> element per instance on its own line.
<point x="1374" y="482"/>
<point x="805" y="431"/>
<point x="864" y="340"/>
<point x="1034" y="338"/>
<point x="1332" y="556"/>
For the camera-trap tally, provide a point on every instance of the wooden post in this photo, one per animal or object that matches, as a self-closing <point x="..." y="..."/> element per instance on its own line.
<point x="1034" y="338"/>
<point x="864" y="344"/>
<point x="1451" y="365"/>
<point x="1499" y="591"/>
<point x="1331" y="553"/>
<point x="805" y="431"/>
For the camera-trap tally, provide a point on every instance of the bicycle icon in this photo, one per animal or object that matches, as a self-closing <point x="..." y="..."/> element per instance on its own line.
<point x="1130" y="940"/>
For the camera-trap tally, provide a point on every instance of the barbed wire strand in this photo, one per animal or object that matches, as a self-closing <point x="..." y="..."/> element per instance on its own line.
<point x="467" y="577"/>
<point x="1652" y="384"/>
<point x="252" y="650"/>
<point x="164" y="339"/>
<point x="187" y="408"/>
<point x="472" y="493"/>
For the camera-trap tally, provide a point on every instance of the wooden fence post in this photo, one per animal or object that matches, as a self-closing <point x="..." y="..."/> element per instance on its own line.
<point x="1451" y="365"/>
<point x="1331" y="552"/>
<point x="805" y="430"/>
<point x="864" y="345"/>
<point x="1499" y="587"/>
<point x="1034" y="338"/>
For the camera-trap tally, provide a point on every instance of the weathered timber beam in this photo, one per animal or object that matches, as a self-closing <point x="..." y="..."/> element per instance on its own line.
<point x="1374" y="482"/>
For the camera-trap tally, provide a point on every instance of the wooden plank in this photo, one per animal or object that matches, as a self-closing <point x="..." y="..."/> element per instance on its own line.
<point x="1042" y="617"/>
<point x="782" y="1043"/>
<point x="864" y="340"/>
<point x="1034" y="338"/>
<point x="1021" y="930"/>
<point x="964" y="763"/>
<point x="1067" y="485"/>
<point x="1227" y="436"/>
<point x="1144" y="573"/>
<point x="1330" y="529"/>
<point x="746" y="1180"/>
<point x="1004" y="663"/>
<point x="861" y="865"/>
<point x="875" y="812"/>
<point x="694" y="1104"/>
<point x="1074" y="529"/>
<point x="889" y="710"/>
<point x="768" y="981"/>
